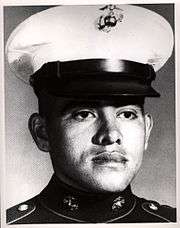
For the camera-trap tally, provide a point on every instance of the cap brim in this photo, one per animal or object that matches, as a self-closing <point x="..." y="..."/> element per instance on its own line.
<point x="100" y="90"/>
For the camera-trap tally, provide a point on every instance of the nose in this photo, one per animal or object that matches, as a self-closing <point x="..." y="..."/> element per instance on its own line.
<point x="107" y="134"/>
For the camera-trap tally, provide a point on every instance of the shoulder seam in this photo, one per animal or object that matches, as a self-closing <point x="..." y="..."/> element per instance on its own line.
<point x="112" y="220"/>
<point x="167" y="220"/>
<point x="23" y="216"/>
<point x="59" y="214"/>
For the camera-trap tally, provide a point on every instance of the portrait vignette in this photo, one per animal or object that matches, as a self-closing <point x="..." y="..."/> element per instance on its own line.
<point x="17" y="115"/>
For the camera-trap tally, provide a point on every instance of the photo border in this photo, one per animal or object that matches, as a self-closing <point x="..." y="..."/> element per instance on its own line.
<point x="2" y="104"/>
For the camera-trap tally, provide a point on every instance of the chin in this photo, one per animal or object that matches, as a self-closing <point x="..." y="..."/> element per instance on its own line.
<point x="114" y="187"/>
<point x="111" y="183"/>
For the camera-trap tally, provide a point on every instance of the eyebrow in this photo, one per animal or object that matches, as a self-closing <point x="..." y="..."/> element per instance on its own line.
<point x="96" y="104"/>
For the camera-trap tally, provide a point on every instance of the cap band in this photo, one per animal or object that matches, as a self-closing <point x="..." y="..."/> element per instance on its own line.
<point x="96" y="66"/>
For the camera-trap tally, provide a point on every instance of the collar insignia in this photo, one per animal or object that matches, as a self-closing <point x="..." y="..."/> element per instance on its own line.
<point x="70" y="203"/>
<point x="118" y="203"/>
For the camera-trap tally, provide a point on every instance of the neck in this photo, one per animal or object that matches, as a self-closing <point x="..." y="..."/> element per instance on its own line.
<point x="87" y="206"/>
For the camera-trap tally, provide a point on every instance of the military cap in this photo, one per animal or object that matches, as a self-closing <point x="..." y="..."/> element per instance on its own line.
<point x="91" y="50"/>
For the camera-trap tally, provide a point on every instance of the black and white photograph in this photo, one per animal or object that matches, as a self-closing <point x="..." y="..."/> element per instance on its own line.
<point x="90" y="113"/>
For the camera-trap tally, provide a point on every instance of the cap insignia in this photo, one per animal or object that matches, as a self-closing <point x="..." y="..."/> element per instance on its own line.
<point x="112" y="16"/>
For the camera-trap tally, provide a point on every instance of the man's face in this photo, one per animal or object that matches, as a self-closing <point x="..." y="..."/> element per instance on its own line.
<point x="97" y="146"/>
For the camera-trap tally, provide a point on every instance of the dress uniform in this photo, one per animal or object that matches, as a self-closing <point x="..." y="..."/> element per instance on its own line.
<point x="59" y="203"/>
<point x="90" y="52"/>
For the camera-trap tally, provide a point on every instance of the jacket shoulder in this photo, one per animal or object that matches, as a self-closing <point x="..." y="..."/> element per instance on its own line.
<point x="164" y="212"/>
<point x="20" y="211"/>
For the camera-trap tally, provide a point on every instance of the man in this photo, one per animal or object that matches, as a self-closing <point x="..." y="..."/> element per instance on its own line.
<point x="91" y="68"/>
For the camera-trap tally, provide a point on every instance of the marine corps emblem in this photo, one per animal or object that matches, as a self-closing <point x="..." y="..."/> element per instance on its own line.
<point x="109" y="20"/>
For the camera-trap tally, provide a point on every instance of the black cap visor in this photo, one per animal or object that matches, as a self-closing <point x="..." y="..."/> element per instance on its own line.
<point x="99" y="89"/>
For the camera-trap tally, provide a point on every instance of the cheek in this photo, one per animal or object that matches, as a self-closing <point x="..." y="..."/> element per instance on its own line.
<point x="78" y="139"/>
<point x="71" y="140"/>
<point x="134" y="139"/>
<point x="79" y="133"/>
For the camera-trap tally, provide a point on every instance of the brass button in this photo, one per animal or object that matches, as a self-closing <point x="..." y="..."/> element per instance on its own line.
<point x="153" y="207"/>
<point x="23" y="207"/>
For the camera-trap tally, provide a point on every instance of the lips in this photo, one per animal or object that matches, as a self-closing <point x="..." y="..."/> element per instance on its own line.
<point x="108" y="157"/>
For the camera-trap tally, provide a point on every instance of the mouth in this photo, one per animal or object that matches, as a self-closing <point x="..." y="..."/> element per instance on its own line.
<point x="109" y="157"/>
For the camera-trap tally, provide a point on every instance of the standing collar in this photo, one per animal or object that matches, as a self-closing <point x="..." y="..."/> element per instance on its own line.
<point x="64" y="200"/>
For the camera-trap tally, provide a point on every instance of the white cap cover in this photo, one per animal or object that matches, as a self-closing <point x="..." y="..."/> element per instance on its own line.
<point x="66" y="33"/>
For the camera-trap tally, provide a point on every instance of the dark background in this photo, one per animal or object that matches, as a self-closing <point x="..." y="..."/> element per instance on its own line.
<point x="28" y="170"/>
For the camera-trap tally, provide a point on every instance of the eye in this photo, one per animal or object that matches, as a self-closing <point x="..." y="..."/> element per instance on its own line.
<point x="127" y="115"/>
<point x="83" y="115"/>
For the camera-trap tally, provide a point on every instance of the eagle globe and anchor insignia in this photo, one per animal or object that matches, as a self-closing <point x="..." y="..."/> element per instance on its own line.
<point x="110" y="19"/>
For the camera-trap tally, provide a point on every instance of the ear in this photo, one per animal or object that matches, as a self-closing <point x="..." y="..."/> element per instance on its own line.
<point x="37" y="127"/>
<point x="148" y="128"/>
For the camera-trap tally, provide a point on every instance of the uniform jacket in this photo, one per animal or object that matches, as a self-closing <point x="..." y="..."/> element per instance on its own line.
<point x="59" y="203"/>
